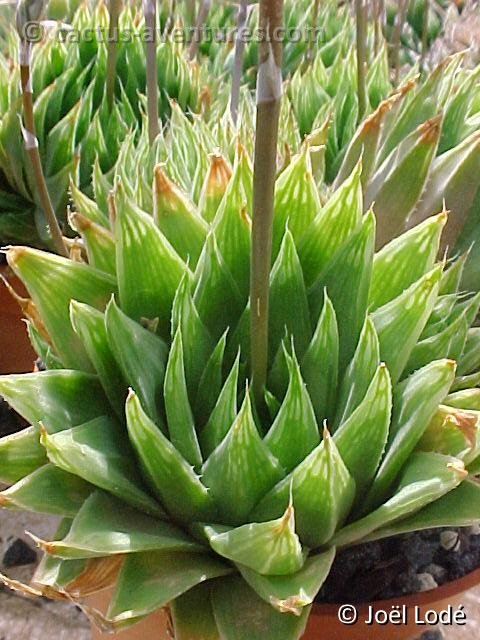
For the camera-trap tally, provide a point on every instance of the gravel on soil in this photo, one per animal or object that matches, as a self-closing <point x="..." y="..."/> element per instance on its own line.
<point x="402" y="565"/>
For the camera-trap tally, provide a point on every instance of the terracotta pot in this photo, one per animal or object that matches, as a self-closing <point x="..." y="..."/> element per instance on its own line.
<point x="16" y="353"/>
<point x="155" y="627"/>
<point x="324" y="624"/>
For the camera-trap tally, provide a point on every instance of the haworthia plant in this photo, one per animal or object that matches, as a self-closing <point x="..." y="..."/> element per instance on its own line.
<point x="180" y="485"/>
<point x="148" y="420"/>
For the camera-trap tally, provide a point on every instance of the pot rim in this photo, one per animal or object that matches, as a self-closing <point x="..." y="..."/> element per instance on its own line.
<point x="423" y="598"/>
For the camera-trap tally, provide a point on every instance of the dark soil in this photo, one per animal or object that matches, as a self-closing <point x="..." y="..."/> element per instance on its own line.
<point x="402" y="565"/>
<point x="10" y="422"/>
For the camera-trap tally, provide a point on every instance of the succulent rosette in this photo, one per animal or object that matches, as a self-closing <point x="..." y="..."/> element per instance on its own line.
<point x="75" y="125"/>
<point x="175" y="487"/>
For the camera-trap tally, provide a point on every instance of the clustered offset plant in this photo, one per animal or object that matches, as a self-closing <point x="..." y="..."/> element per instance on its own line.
<point x="75" y="125"/>
<point x="425" y="134"/>
<point x="143" y="423"/>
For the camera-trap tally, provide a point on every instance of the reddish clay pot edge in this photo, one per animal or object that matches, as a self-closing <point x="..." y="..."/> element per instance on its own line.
<point x="16" y="353"/>
<point x="323" y="622"/>
<point x="325" y="625"/>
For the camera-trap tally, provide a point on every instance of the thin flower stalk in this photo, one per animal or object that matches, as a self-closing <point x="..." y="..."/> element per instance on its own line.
<point x="199" y="24"/>
<point x="112" y="50"/>
<point x="238" y="62"/>
<point x="150" y="10"/>
<point x="269" y="94"/>
<point x="361" y="35"/>
<point x="426" y="9"/>
<point x="25" y="13"/>
<point x="396" y="38"/>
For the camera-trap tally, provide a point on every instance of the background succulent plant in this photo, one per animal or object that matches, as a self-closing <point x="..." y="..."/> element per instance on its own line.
<point x="425" y="134"/>
<point x="75" y="125"/>
<point x="203" y="483"/>
<point x="145" y="423"/>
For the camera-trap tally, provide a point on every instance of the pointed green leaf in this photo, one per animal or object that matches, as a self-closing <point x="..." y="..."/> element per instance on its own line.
<point x="210" y="384"/>
<point x="456" y="112"/>
<point x="197" y="342"/>
<point x="297" y="201"/>
<point x="214" y="186"/>
<point x="347" y="279"/>
<point x="269" y="548"/>
<point x="223" y="414"/>
<point x="88" y="208"/>
<point x="405" y="260"/>
<point x="167" y="472"/>
<point x="452" y="181"/>
<point x="466" y="382"/>
<point x="216" y="296"/>
<point x="339" y="218"/>
<point x="181" y="423"/>
<point x="414" y="404"/>
<point x="449" y="343"/>
<point x="149" y="581"/>
<point x="141" y="357"/>
<point x="43" y="273"/>
<point x="105" y="526"/>
<point x="146" y="291"/>
<point x="99" y="243"/>
<point x="465" y="399"/>
<point x="408" y="164"/>
<point x="405" y="316"/>
<point x="426" y="477"/>
<point x="21" y="454"/>
<point x="359" y="373"/>
<point x="177" y="218"/>
<point x="89" y="324"/>
<point x="59" y="399"/>
<point x="57" y="575"/>
<point x="362" y="438"/>
<point x="452" y="276"/>
<point x="418" y="108"/>
<point x="255" y="619"/>
<point x="288" y="299"/>
<point x="294" y="433"/>
<point x="290" y="594"/>
<point x="47" y="490"/>
<point x="458" y="508"/>
<point x="232" y="230"/>
<point x="364" y="143"/>
<point x="323" y="493"/>
<point x="95" y="452"/>
<point x="236" y="488"/>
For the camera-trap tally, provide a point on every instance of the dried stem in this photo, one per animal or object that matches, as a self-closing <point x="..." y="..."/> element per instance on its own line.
<point x="378" y="14"/>
<point x="269" y="94"/>
<point x="171" y="17"/>
<point x="197" y="34"/>
<point x="313" y="36"/>
<point x="190" y="12"/>
<point x="150" y="10"/>
<point x="361" y="28"/>
<point x="31" y="146"/>
<point x="238" y="62"/>
<point x="397" y="37"/>
<point x="423" y="55"/>
<point x="112" y="50"/>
